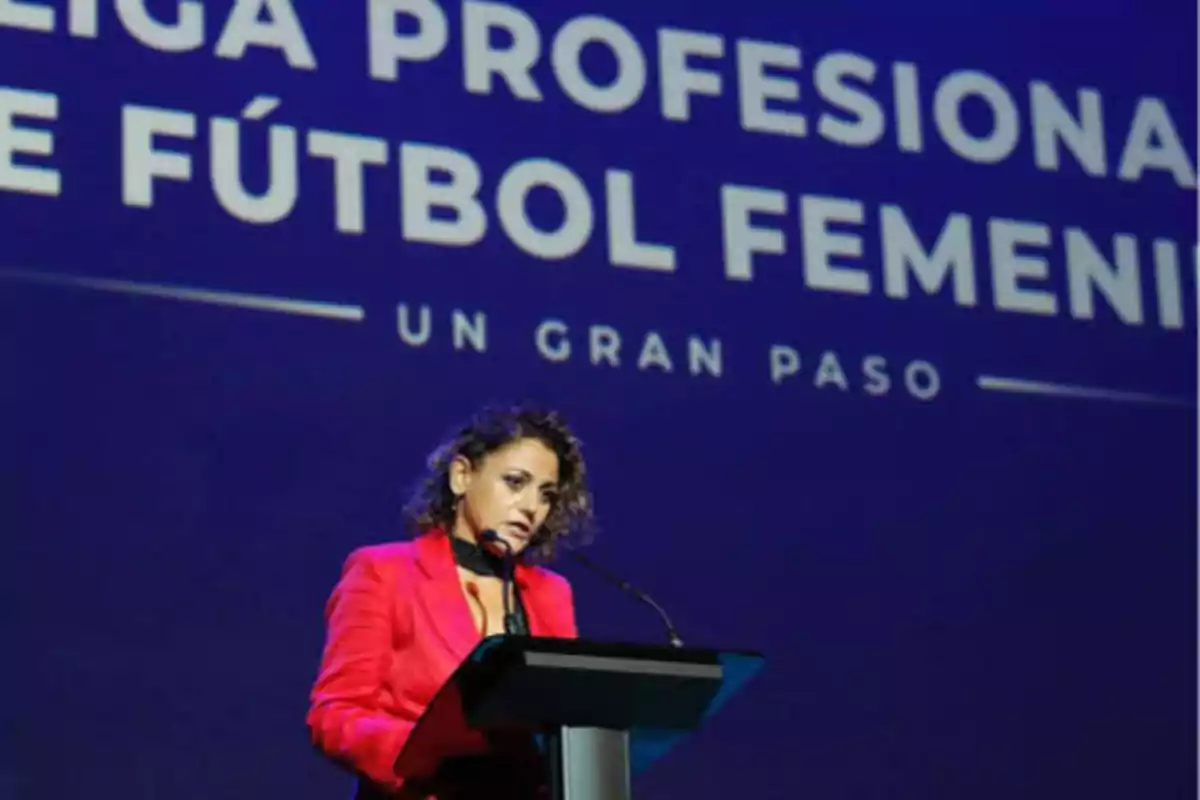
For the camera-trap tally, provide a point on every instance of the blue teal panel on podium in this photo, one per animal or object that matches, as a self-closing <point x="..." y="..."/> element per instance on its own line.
<point x="648" y="745"/>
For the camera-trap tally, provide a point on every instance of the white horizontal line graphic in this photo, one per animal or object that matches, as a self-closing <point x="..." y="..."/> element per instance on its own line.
<point x="257" y="302"/>
<point x="995" y="383"/>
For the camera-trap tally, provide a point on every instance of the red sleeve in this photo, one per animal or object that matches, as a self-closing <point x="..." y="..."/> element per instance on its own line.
<point x="344" y="716"/>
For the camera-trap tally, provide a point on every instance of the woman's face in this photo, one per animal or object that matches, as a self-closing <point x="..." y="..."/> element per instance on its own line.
<point x="511" y="491"/>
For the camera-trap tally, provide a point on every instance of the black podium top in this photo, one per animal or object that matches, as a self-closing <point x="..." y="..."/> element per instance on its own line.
<point x="522" y="684"/>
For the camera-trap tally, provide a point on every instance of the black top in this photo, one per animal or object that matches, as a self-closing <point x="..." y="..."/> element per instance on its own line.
<point x="473" y="558"/>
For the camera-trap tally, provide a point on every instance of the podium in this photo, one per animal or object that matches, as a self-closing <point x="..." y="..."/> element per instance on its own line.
<point x="593" y="714"/>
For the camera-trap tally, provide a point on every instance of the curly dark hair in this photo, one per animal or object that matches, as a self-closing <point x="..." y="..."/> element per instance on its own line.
<point x="432" y="504"/>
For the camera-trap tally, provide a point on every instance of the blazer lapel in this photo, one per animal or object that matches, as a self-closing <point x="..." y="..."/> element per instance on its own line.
<point x="540" y="623"/>
<point x="446" y="607"/>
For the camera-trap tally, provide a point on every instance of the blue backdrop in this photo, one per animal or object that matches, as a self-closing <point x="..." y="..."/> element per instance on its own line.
<point x="879" y="324"/>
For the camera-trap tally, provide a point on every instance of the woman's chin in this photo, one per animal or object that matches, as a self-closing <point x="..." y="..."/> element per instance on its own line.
<point x="516" y="541"/>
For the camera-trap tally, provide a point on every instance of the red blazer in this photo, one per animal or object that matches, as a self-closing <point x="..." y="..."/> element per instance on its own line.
<point x="398" y="626"/>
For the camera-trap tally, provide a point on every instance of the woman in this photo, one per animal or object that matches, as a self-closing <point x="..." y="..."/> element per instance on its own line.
<point x="404" y="615"/>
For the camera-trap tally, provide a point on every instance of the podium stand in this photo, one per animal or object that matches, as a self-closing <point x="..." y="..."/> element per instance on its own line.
<point x="596" y="712"/>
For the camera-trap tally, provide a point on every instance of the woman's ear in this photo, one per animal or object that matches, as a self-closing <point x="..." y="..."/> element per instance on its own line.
<point x="460" y="475"/>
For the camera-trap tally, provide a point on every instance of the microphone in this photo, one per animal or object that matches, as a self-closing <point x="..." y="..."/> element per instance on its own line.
<point x="510" y="619"/>
<point x="672" y="634"/>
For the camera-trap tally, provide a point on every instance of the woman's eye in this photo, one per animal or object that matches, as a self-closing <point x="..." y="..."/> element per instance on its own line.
<point x="514" y="482"/>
